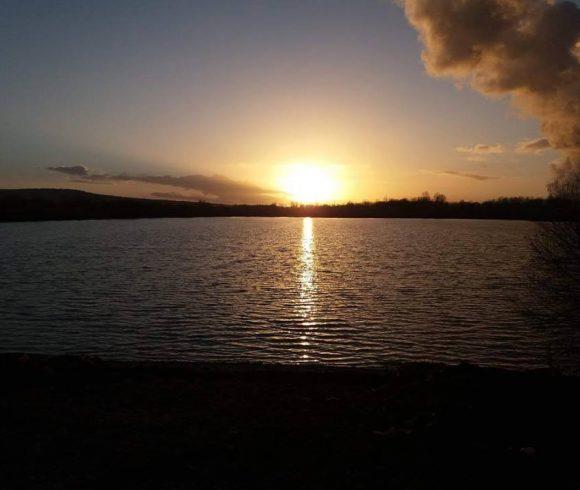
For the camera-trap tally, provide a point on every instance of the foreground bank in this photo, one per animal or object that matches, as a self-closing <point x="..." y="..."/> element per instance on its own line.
<point x="82" y="423"/>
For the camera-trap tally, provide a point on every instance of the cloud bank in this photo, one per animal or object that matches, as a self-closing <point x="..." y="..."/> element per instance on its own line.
<point x="210" y="188"/>
<point x="528" y="50"/>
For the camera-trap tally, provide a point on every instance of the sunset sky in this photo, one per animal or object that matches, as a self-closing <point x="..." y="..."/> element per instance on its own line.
<point x="232" y="101"/>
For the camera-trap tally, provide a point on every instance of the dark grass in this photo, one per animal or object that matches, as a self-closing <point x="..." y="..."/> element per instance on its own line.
<point x="79" y="423"/>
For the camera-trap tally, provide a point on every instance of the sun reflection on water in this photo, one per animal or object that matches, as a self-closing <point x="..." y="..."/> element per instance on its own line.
<point x="307" y="259"/>
<point x="307" y="286"/>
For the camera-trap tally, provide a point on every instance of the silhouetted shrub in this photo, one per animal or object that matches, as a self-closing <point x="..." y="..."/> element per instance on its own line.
<point x="555" y="267"/>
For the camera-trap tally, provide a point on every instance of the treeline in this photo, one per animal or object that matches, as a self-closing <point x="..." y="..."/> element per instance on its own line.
<point x="55" y="204"/>
<point x="513" y="208"/>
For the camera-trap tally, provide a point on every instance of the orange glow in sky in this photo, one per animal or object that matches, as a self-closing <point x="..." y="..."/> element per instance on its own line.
<point x="309" y="183"/>
<point x="250" y="102"/>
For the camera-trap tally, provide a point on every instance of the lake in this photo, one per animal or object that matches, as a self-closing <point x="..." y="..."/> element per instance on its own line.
<point x="333" y="291"/>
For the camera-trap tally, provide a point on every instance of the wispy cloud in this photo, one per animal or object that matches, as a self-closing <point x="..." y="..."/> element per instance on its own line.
<point x="468" y="175"/>
<point x="74" y="170"/>
<point x="533" y="146"/>
<point x="481" y="149"/>
<point x="178" y="196"/>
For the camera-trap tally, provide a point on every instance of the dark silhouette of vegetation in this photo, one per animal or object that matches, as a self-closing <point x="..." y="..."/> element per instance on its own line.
<point x="555" y="268"/>
<point x="56" y="204"/>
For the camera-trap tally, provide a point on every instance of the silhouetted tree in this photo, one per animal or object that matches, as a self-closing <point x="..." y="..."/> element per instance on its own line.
<point x="555" y="268"/>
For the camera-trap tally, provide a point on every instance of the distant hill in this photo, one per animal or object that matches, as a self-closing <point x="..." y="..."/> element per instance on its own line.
<point x="67" y="204"/>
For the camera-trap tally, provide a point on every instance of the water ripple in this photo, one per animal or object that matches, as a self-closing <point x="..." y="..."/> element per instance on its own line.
<point x="343" y="292"/>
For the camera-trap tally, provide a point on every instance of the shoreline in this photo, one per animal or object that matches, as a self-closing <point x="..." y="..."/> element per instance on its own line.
<point x="242" y="216"/>
<point x="32" y="360"/>
<point x="31" y="205"/>
<point x="81" y="422"/>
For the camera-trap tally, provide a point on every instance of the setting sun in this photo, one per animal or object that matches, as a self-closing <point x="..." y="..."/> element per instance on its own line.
<point x="308" y="183"/>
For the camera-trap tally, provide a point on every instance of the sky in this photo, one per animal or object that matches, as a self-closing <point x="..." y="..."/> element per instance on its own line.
<point x="223" y="100"/>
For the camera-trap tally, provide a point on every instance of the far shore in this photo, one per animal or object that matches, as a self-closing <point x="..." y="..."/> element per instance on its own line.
<point x="67" y="204"/>
<point x="81" y="422"/>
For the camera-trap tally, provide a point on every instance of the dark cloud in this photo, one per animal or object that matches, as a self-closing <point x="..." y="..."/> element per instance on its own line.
<point x="75" y="170"/>
<point x="533" y="146"/>
<point x="528" y="50"/>
<point x="210" y="188"/>
<point x="468" y="175"/>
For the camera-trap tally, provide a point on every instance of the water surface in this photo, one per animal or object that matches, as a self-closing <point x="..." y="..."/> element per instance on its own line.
<point x="285" y="290"/>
